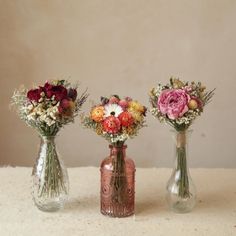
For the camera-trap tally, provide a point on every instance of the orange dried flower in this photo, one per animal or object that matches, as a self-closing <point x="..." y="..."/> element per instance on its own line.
<point x="97" y="113"/>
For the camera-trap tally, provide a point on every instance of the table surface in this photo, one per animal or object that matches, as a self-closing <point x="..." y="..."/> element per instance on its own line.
<point x="215" y="212"/>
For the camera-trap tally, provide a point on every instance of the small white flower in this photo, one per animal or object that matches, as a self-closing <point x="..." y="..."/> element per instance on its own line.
<point x="31" y="116"/>
<point x="113" y="110"/>
<point x="30" y="107"/>
<point x="43" y="117"/>
<point x="52" y="115"/>
<point x="49" y="121"/>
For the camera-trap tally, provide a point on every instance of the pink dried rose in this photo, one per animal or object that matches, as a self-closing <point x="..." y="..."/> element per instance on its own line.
<point x="173" y="103"/>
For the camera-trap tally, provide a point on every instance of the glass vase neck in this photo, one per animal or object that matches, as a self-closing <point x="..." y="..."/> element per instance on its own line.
<point x="181" y="191"/>
<point x="46" y="138"/>
<point x="181" y="137"/>
<point x="118" y="149"/>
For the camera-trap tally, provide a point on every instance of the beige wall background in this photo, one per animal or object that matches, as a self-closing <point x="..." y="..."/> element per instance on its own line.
<point x="123" y="47"/>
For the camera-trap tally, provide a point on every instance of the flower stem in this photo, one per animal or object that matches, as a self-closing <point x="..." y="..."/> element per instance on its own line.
<point x="118" y="180"/>
<point x="182" y="168"/>
<point x="53" y="184"/>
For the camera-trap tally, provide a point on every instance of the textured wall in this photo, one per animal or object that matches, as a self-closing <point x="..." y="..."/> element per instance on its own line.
<point x="124" y="47"/>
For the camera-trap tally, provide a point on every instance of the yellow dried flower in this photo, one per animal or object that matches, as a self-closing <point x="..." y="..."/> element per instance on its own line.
<point x="152" y="92"/>
<point x="193" y="104"/>
<point x="99" y="129"/>
<point x="130" y="130"/>
<point x="177" y="83"/>
<point x="136" y="106"/>
<point x="202" y="88"/>
<point x="137" y="115"/>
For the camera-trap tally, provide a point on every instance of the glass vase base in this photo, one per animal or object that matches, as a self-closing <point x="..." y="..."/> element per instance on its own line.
<point x="114" y="213"/>
<point x="50" y="207"/>
<point x="182" y="206"/>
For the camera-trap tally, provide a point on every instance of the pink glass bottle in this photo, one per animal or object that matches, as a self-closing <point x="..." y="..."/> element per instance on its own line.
<point x="117" y="183"/>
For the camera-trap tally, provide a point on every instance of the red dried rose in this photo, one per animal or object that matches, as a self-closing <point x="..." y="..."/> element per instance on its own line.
<point x="126" y="119"/>
<point x="72" y="93"/>
<point x="34" y="94"/>
<point x="59" y="91"/>
<point x="111" y="125"/>
<point x="48" y="90"/>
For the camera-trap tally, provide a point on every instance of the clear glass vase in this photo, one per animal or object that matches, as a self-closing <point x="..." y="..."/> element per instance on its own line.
<point x="50" y="179"/>
<point x="181" y="192"/>
<point x="117" y="183"/>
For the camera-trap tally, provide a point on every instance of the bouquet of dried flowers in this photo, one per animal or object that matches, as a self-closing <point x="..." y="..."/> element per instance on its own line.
<point x="116" y="119"/>
<point x="47" y="109"/>
<point x="178" y="104"/>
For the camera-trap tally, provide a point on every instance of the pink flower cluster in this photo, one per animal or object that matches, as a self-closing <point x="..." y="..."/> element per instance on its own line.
<point x="173" y="103"/>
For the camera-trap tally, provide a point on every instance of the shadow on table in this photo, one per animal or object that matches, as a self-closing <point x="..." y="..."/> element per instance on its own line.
<point x="150" y="207"/>
<point x="89" y="203"/>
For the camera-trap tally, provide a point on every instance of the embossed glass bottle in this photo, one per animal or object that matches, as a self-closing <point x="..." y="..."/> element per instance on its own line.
<point x="50" y="178"/>
<point x="181" y="192"/>
<point x="117" y="183"/>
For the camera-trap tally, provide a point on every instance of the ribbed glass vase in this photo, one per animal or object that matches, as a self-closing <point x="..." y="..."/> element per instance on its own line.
<point x="117" y="183"/>
<point x="50" y="178"/>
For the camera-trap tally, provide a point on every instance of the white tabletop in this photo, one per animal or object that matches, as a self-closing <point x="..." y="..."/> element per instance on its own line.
<point x="215" y="213"/>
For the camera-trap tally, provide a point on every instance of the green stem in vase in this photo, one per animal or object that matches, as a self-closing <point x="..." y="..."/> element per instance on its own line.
<point x="182" y="165"/>
<point x="118" y="180"/>
<point x="53" y="184"/>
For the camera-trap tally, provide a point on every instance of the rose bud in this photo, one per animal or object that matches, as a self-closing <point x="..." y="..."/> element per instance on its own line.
<point x="114" y="99"/>
<point x="193" y="104"/>
<point x="65" y="103"/>
<point x="128" y="99"/>
<point x="123" y="103"/>
<point x="72" y="93"/>
<point x="66" y="107"/>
